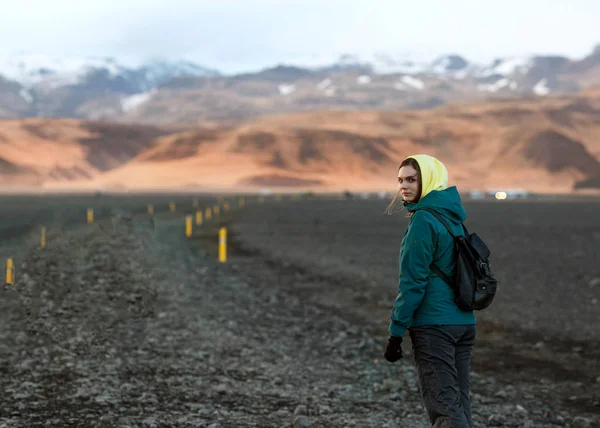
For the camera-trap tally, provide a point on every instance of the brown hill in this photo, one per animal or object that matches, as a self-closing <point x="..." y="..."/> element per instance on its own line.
<point x="38" y="152"/>
<point x="547" y="145"/>
<point x="544" y="145"/>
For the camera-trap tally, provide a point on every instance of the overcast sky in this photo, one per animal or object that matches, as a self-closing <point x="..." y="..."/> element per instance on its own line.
<point x="238" y="35"/>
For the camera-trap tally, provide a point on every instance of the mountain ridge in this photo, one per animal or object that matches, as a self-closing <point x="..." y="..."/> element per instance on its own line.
<point x="183" y="92"/>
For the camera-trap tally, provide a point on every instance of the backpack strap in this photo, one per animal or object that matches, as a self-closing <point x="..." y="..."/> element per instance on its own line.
<point x="433" y="266"/>
<point x="442" y="275"/>
<point x="443" y="220"/>
<point x="440" y="218"/>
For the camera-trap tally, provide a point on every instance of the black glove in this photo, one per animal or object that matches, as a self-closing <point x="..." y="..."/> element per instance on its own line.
<point x="393" y="349"/>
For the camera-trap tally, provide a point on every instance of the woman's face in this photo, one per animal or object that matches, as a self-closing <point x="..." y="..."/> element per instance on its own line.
<point x="408" y="184"/>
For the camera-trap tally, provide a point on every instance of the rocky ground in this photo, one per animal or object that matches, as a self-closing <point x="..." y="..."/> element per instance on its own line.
<point x="540" y="337"/>
<point x="126" y="323"/>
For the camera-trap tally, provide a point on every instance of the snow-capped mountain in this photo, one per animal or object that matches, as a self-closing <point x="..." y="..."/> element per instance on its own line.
<point x="42" y="85"/>
<point x="382" y="63"/>
<point x="31" y="69"/>
<point x="106" y="88"/>
<point x="452" y="65"/>
<point x="50" y="72"/>
<point x="157" y="72"/>
<point x="377" y="63"/>
<point x="533" y="74"/>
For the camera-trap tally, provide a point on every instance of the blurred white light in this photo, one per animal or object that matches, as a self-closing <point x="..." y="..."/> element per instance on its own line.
<point x="501" y="195"/>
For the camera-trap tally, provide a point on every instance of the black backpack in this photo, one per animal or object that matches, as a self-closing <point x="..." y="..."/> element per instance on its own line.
<point x="473" y="282"/>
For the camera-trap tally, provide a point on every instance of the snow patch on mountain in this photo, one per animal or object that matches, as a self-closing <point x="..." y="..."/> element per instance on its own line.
<point x="413" y="82"/>
<point x="286" y="89"/>
<point x="26" y="95"/>
<point x="507" y="66"/>
<point x="330" y="91"/>
<point x="541" y="87"/>
<point x="132" y="102"/>
<point x="494" y="87"/>
<point x="160" y="71"/>
<point x="324" y="84"/>
<point x="449" y="65"/>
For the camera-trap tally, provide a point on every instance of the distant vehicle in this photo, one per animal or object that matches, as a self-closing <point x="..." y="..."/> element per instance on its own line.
<point x="508" y="193"/>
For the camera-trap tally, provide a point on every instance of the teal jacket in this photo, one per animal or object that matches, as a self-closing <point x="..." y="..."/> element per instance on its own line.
<point x="423" y="297"/>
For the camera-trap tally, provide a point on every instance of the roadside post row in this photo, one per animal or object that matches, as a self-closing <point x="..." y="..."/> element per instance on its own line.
<point x="208" y="214"/>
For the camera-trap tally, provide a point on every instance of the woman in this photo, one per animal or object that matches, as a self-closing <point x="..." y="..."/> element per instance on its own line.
<point x="442" y="335"/>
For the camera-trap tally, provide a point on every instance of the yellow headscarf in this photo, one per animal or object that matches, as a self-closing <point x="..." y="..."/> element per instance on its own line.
<point x="434" y="175"/>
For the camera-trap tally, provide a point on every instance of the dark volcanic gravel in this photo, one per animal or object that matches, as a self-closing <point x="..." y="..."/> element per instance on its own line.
<point x="123" y="325"/>
<point x="541" y="334"/>
<point x="546" y="254"/>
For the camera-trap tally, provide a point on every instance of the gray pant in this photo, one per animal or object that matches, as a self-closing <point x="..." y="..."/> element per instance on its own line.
<point x="443" y="358"/>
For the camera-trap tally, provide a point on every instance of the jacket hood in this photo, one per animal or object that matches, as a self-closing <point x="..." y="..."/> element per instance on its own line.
<point x="434" y="175"/>
<point x="447" y="202"/>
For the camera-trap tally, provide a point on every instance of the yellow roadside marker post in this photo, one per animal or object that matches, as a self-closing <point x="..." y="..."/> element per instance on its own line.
<point x="216" y="210"/>
<point x="10" y="272"/>
<point x="198" y="218"/>
<point x="172" y="206"/>
<point x="150" y="209"/>
<point x="188" y="226"/>
<point x="208" y="214"/>
<point x="43" y="238"/>
<point x="90" y="215"/>
<point x="223" y="245"/>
